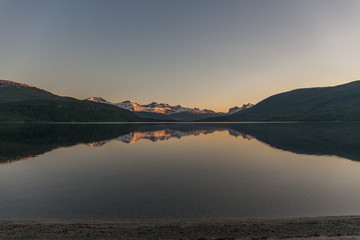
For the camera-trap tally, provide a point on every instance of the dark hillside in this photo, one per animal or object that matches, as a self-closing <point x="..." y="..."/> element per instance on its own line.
<point x="339" y="103"/>
<point x="24" y="103"/>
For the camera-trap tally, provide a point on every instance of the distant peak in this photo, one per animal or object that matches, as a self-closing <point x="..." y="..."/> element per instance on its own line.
<point x="161" y="108"/>
<point x="237" y="109"/>
<point x="97" y="99"/>
<point x="127" y="102"/>
<point x="7" y="83"/>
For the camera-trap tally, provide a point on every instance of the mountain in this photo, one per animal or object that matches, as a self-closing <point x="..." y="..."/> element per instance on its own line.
<point x="16" y="92"/>
<point x="338" y="103"/>
<point x="163" y="111"/>
<point x="24" y="103"/>
<point x="237" y="109"/>
<point x="162" y="108"/>
<point x="98" y="100"/>
<point x="166" y="112"/>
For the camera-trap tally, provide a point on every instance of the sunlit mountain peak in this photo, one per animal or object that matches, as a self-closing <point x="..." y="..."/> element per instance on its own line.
<point x="7" y="83"/>
<point x="164" y="111"/>
<point x="98" y="99"/>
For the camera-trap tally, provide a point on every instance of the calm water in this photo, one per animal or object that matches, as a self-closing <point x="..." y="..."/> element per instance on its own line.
<point x="120" y="171"/>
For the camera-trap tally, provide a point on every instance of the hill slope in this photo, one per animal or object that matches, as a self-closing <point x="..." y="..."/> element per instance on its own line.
<point x="21" y="102"/>
<point x="309" y="104"/>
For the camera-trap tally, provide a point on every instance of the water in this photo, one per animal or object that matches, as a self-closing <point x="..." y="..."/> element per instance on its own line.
<point x="150" y="171"/>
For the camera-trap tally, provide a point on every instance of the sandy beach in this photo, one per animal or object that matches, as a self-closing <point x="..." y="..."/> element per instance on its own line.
<point x="346" y="227"/>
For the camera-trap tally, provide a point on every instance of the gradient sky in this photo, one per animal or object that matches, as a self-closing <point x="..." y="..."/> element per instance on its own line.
<point x="207" y="54"/>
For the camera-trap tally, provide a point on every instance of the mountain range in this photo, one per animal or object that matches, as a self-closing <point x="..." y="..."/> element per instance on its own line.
<point x="24" y="103"/>
<point x="163" y="111"/>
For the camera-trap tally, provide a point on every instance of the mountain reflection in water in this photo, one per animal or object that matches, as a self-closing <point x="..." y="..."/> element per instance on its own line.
<point x="24" y="141"/>
<point x="168" y="133"/>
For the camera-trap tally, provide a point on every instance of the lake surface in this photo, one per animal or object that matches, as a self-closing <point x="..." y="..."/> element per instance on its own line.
<point x="152" y="171"/>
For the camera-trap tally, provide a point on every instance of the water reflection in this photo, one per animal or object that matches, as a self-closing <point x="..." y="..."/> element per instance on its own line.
<point x="176" y="131"/>
<point x="147" y="171"/>
<point x="24" y="141"/>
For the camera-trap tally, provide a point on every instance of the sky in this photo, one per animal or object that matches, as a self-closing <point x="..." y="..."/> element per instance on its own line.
<point x="196" y="53"/>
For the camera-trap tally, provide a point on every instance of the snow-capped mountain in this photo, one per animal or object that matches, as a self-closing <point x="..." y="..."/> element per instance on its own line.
<point x="163" y="111"/>
<point x="130" y="105"/>
<point x="237" y="109"/>
<point x="98" y="99"/>
<point x="7" y="83"/>
<point x="162" y="108"/>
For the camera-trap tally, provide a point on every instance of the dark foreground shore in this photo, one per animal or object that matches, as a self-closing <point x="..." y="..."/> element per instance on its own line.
<point x="299" y="228"/>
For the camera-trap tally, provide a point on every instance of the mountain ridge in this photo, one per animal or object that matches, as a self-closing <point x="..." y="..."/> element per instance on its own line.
<point x="24" y="103"/>
<point x="334" y="103"/>
<point x="164" y="111"/>
<point x="8" y="83"/>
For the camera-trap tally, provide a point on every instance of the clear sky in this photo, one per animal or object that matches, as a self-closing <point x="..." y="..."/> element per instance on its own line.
<point x="207" y="54"/>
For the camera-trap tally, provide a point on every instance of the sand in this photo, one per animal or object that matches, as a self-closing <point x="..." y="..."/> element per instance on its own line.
<point x="346" y="227"/>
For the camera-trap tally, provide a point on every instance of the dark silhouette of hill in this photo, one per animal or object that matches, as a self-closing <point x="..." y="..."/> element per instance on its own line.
<point x="339" y="103"/>
<point x="24" y="103"/>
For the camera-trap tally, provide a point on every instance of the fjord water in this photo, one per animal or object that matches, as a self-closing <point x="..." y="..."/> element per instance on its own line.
<point x="151" y="171"/>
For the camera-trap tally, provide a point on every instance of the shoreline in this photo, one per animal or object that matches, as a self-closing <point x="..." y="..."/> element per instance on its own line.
<point x="331" y="227"/>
